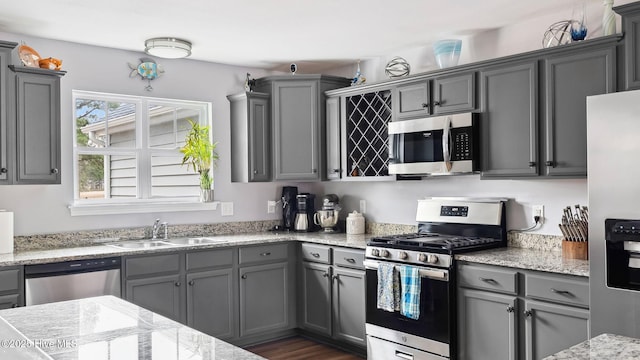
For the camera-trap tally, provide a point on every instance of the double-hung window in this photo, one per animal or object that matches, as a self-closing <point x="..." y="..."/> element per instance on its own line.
<point x="127" y="151"/>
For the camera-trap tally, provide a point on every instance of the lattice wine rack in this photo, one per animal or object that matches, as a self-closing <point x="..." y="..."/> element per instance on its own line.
<point x="367" y="143"/>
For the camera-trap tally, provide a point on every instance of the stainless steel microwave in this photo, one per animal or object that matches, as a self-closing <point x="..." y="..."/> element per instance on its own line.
<point x="442" y="145"/>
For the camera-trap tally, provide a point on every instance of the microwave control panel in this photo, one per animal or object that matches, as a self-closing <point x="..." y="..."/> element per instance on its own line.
<point x="462" y="146"/>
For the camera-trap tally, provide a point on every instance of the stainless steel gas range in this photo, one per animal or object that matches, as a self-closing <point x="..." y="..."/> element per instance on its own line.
<point x="446" y="226"/>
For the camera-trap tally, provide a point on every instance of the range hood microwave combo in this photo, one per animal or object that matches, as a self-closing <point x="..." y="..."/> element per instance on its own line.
<point x="441" y="145"/>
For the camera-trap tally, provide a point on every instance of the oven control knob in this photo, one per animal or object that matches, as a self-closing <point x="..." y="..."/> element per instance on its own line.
<point x="403" y="255"/>
<point x="384" y="253"/>
<point x="422" y="257"/>
<point x="375" y="252"/>
<point x="432" y="259"/>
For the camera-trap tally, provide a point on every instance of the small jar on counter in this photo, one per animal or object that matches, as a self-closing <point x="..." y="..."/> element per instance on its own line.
<point x="355" y="223"/>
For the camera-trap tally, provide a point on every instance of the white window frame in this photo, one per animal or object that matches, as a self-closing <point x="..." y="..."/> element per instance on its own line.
<point x="143" y="202"/>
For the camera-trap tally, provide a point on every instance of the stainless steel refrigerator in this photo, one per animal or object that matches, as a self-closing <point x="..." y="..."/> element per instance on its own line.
<point x="613" y="151"/>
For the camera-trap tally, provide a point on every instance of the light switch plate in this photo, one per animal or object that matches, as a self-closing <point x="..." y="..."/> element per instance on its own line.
<point x="227" y="208"/>
<point x="363" y="206"/>
<point x="271" y="207"/>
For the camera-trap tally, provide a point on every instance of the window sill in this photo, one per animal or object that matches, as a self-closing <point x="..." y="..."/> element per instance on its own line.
<point x="137" y="208"/>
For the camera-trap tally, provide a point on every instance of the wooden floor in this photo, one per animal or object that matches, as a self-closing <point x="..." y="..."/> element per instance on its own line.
<point x="298" y="348"/>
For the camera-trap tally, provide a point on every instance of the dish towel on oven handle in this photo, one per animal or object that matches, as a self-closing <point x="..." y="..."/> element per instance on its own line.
<point x="388" y="288"/>
<point x="410" y="298"/>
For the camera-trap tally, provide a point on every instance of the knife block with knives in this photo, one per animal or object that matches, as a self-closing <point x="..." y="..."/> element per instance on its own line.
<point x="575" y="229"/>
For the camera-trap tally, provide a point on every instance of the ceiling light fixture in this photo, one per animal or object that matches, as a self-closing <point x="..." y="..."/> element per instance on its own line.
<point x="167" y="47"/>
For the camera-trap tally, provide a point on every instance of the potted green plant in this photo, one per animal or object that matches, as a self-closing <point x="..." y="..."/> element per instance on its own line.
<point x="200" y="153"/>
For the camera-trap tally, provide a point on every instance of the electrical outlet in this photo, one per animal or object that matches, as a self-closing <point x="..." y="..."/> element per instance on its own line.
<point x="271" y="207"/>
<point x="363" y="206"/>
<point x="538" y="210"/>
<point x="227" y="208"/>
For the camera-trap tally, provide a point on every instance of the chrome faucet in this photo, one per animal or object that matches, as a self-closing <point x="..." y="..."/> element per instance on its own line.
<point x="157" y="225"/>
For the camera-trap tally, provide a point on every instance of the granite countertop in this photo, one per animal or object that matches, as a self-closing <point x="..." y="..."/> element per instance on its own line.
<point x="31" y="257"/>
<point x="602" y="347"/>
<point x="106" y="328"/>
<point x="521" y="258"/>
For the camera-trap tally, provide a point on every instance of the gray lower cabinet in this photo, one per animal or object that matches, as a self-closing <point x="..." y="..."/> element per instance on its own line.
<point x="160" y="294"/>
<point x="35" y="108"/>
<point x="487" y="326"/>
<point x="298" y="124"/>
<point x="630" y="14"/>
<point x="264" y="300"/>
<point x="11" y="287"/>
<point x="210" y="302"/>
<point x="332" y="294"/>
<point x="506" y="313"/>
<point x="250" y="137"/>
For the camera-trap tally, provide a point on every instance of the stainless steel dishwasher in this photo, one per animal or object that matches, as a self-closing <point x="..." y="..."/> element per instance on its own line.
<point x="45" y="283"/>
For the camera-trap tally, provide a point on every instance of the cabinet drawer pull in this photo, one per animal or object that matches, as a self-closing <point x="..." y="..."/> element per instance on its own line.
<point x="244" y="276"/>
<point x="14" y="305"/>
<point x="550" y="163"/>
<point x="265" y="254"/>
<point x="350" y="260"/>
<point x="54" y="171"/>
<point x="437" y="103"/>
<point x="177" y="283"/>
<point x="488" y="280"/>
<point x="528" y="313"/>
<point x="510" y="309"/>
<point x="315" y="255"/>
<point x="532" y="164"/>
<point x="403" y="355"/>
<point x="325" y="274"/>
<point x="191" y="283"/>
<point x="561" y="292"/>
<point x="3" y="170"/>
<point x="425" y="105"/>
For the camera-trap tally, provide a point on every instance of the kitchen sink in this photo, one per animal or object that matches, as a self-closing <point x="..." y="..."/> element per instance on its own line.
<point x="194" y="241"/>
<point x="140" y="244"/>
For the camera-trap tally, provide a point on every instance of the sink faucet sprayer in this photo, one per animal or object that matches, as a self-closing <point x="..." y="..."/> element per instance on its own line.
<point x="157" y="225"/>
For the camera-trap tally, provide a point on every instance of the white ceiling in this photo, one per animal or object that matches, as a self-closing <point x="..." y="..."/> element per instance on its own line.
<point x="269" y="33"/>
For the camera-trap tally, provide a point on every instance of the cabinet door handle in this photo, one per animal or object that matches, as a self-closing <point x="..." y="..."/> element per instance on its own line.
<point x="54" y="171"/>
<point x="336" y="170"/>
<point x="177" y="283"/>
<point x="550" y="163"/>
<point x="191" y="283"/>
<point x="14" y="305"/>
<point x="335" y="277"/>
<point x="510" y="309"/>
<point x="437" y="103"/>
<point x="265" y="254"/>
<point x="315" y="255"/>
<point x="255" y="171"/>
<point x="404" y="355"/>
<point x="314" y="170"/>
<point x="3" y="170"/>
<point x="244" y="276"/>
<point x="325" y="274"/>
<point x="532" y="164"/>
<point x="425" y="105"/>
<point x="561" y="292"/>
<point x="350" y="260"/>
<point x="528" y="313"/>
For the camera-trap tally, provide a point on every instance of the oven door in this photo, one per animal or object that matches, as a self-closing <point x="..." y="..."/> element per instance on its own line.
<point x="433" y="328"/>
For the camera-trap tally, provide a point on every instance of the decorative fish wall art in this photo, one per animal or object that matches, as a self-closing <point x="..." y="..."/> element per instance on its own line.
<point x="148" y="70"/>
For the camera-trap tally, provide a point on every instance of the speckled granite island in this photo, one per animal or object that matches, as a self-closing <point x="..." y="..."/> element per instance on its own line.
<point x="602" y="347"/>
<point x="105" y="328"/>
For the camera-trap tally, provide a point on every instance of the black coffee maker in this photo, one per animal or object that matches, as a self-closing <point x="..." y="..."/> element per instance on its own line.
<point x="289" y="206"/>
<point x="306" y="210"/>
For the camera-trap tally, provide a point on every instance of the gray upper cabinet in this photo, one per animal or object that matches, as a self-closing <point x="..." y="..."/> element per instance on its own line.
<point x="334" y="169"/>
<point x="298" y="124"/>
<point x="631" y="27"/>
<point x="509" y="120"/>
<point x="35" y="107"/>
<point x="454" y="93"/>
<point x="250" y="137"/>
<point x="570" y="78"/>
<point x="5" y="58"/>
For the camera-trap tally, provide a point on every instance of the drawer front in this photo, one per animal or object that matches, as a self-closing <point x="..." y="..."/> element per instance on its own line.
<point x="210" y="259"/>
<point x="10" y="280"/>
<point x="146" y="265"/>
<point x="316" y="253"/>
<point x="496" y="279"/>
<point x="348" y="258"/>
<point x="263" y="253"/>
<point x="558" y="289"/>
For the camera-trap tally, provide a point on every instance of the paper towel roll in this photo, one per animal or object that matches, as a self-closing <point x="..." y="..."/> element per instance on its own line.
<point x="6" y="232"/>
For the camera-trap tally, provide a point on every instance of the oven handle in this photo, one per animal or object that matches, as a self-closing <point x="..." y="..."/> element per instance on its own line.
<point x="446" y="143"/>
<point x="424" y="272"/>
